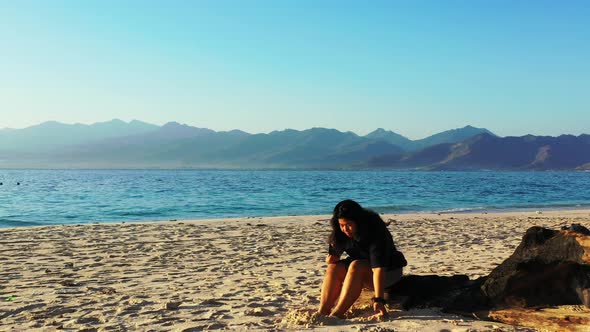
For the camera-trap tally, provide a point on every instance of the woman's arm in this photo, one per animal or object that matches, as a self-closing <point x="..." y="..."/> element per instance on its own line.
<point x="332" y="259"/>
<point x="379" y="286"/>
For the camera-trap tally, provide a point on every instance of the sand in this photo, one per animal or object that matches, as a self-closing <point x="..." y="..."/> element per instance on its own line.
<point x="234" y="274"/>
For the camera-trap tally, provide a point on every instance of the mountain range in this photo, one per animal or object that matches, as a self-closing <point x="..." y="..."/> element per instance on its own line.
<point x="118" y="144"/>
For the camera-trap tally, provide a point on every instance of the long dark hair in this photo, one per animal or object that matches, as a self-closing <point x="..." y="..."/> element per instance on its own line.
<point x="365" y="219"/>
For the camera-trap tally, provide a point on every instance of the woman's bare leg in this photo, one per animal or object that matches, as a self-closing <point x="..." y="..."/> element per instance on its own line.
<point x="335" y="274"/>
<point x="359" y="272"/>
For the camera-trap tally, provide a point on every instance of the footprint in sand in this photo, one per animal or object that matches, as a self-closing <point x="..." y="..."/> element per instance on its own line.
<point x="258" y="312"/>
<point x="93" y="320"/>
<point x="297" y="318"/>
<point x="212" y="303"/>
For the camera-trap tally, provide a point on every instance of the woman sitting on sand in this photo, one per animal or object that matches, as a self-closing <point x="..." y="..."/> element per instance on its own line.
<point x="372" y="261"/>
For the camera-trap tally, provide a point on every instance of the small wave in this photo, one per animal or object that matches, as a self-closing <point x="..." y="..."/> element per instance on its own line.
<point x="549" y="206"/>
<point x="515" y="207"/>
<point x="140" y="213"/>
<point x="6" y="223"/>
<point x="397" y="208"/>
<point x="461" y="210"/>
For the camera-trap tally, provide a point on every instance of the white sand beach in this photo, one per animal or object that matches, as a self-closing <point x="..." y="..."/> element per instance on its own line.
<point x="234" y="274"/>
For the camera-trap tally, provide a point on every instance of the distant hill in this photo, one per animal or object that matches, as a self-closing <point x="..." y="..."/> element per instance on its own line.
<point x="489" y="152"/>
<point x="449" y="136"/>
<point x="392" y="138"/>
<point x="52" y="134"/>
<point x="312" y="148"/>
<point x="117" y="144"/>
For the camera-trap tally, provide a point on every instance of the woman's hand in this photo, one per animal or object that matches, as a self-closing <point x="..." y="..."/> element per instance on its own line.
<point x="378" y="301"/>
<point x="380" y="309"/>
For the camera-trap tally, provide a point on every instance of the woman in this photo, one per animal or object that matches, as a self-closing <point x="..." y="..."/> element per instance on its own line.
<point x="373" y="260"/>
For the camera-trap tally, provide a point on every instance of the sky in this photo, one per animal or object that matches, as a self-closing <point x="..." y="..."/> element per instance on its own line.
<point x="413" y="67"/>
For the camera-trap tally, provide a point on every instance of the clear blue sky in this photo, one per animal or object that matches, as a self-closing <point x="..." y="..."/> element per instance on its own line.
<point x="414" y="67"/>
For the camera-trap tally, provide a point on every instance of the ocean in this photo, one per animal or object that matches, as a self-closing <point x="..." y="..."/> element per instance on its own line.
<point x="55" y="197"/>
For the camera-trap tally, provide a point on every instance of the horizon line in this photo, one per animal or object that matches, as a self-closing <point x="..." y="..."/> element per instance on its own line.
<point x="276" y="130"/>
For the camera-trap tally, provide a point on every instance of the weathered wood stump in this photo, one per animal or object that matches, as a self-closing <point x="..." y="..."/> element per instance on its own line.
<point x="549" y="268"/>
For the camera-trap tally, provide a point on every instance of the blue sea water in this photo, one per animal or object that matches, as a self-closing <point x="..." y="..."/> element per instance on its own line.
<point x="46" y="197"/>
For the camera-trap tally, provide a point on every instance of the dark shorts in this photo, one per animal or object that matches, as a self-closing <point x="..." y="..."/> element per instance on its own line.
<point x="392" y="276"/>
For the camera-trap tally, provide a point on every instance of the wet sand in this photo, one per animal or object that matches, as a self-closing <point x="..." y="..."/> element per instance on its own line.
<point x="235" y="274"/>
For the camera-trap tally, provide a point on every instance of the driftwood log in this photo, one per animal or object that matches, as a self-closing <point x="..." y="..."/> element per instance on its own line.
<point x="545" y="284"/>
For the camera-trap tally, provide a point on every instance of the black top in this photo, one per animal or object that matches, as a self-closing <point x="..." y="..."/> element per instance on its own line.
<point x="374" y="244"/>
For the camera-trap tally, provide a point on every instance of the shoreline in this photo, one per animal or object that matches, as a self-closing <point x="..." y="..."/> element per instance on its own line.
<point x="469" y="211"/>
<point x="255" y="273"/>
